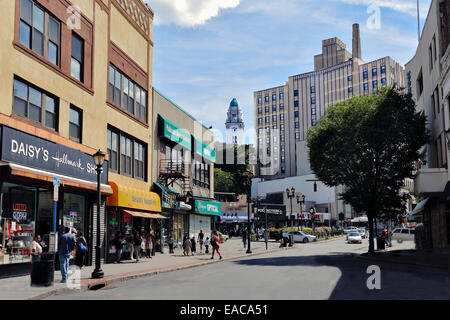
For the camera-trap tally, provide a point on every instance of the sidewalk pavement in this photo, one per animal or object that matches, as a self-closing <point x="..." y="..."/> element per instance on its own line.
<point x="406" y="253"/>
<point x="18" y="288"/>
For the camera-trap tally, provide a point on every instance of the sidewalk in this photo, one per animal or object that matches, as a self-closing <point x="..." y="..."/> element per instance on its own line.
<point x="406" y="254"/>
<point x="19" y="288"/>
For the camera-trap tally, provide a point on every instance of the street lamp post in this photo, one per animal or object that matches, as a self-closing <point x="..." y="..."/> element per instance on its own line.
<point x="301" y="202"/>
<point x="249" y="176"/>
<point x="99" y="158"/>
<point x="291" y="195"/>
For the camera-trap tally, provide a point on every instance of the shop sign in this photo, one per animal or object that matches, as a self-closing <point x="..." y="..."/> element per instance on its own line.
<point x="207" y="207"/>
<point x="134" y="198"/>
<point x="31" y="151"/>
<point x="20" y="212"/>
<point x="169" y="200"/>
<point x="269" y="211"/>
<point x="206" y="151"/>
<point x="174" y="133"/>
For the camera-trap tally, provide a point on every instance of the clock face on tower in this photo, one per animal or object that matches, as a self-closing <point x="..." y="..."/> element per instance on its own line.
<point x="234" y="129"/>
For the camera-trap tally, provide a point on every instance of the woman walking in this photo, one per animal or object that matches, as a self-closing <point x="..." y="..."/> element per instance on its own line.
<point x="187" y="246"/>
<point x="193" y="247"/>
<point x="170" y="241"/>
<point x="81" y="247"/>
<point x="148" y="245"/>
<point x="201" y="235"/>
<point x="215" y="245"/>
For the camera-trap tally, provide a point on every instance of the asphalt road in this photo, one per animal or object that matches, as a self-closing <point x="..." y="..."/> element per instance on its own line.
<point x="330" y="270"/>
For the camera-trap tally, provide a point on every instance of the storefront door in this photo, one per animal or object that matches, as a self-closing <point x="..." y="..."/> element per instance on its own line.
<point x="74" y="212"/>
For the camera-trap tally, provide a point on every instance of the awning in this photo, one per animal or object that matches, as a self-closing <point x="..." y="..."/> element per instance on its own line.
<point x="207" y="207"/>
<point x="419" y="208"/>
<point x="168" y="196"/>
<point x="446" y="194"/>
<point x="204" y="150"/>
<point x="132" y="198"/>
<point x="147" y="215"/>
<point x="27" y="172"/>
<point x="174" y="133"/>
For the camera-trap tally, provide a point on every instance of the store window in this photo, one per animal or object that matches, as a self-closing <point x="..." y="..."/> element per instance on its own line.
<point x="74" y="212"/>
<point x="75" y="123"/>
<point x="18" y="204"/>
<point x="77" y="58"/>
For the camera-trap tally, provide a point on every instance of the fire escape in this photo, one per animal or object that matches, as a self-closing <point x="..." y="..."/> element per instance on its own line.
<point x="171" y="172"/>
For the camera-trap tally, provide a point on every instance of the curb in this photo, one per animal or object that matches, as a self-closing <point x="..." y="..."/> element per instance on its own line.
<point x="103" y="283"/>
<point x="412" y="263"/>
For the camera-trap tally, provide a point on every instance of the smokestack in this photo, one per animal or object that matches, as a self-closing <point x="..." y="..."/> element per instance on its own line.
<point x="356" y="43"/>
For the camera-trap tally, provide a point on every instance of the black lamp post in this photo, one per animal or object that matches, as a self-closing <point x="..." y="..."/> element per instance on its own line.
<point x="99" y="158"/>
<point x="249" y="176"/>
<point x="301" y="202"/>
<point x="291" y="195"/>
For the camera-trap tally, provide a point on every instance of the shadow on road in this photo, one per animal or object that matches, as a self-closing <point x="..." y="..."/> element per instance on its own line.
<point x="398" y="282"/>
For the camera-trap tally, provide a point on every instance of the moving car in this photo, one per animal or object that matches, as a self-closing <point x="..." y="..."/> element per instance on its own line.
<point x="349" y="229"/>
<point x="362" y="232"/>
<point x="403" y="234"/>
<point x="300" y="236"/>
<point x="354" y="237"/>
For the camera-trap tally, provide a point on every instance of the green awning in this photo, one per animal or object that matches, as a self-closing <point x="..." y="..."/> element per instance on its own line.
<point x="207" y="207"/>
<point x="206" y="151"/>
<point x="171" y="131"/>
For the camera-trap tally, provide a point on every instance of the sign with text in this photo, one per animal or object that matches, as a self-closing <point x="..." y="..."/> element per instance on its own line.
<point x="31" y="151"/>
<point x="207" y="207"/>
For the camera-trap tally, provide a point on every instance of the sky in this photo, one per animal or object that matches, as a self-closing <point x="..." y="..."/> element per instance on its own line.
<point x="208" y="52"/>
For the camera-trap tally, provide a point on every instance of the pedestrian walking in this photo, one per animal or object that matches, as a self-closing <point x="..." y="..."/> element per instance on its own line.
<point x="207" y="242"/>
<point x="170" y="242"/>
<point x="148" y="245"/>
<point x="215" y="245"/>
<point x="118" y="243"/>
<point x="193" y="247"/>
<point x="244" y="238"/>
<point x="130" y="244"/>
<point x="137" y="243"/>
<point x="81" y="246"/>
<point x="66" y="244"/>
<point x="201" y="235"/>
<point x="187" y="246"/>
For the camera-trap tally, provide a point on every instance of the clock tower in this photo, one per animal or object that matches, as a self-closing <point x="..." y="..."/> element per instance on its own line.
<point x="235" y="124"/>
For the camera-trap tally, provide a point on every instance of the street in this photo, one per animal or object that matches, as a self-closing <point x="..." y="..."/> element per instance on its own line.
<point x="323" y="270"/>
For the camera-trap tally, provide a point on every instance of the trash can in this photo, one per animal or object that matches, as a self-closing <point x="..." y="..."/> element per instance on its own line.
<point x="381" y="245"/>
<point x="43" y="270"/>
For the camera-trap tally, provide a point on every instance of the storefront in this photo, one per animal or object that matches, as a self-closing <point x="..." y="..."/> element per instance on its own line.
<point x="128" y="210"/>
<point x="203" y="216"/>
<point x="29" y="168"/>
<point x="276" y="215"/>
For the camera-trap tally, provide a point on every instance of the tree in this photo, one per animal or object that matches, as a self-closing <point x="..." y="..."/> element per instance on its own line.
<point x="223" y="181"/>
<point x="369" y="145"/>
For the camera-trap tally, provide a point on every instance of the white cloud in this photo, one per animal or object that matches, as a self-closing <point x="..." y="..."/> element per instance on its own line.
<point x="188" y="13"/>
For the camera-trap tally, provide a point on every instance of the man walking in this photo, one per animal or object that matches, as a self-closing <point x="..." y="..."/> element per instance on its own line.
<point x="66" y="245"/>
<point x="244" y="238"/>
<point x="201" y="235"/>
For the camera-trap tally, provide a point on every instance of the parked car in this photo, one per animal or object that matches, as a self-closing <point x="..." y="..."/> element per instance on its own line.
<point x="362" y="232"/>
<point x="349" y="229"/>
<point x="276" y="235"/>
<point x="300" y="236"/>
<point x="403" y="234"/>
<point x="354" y="237"/>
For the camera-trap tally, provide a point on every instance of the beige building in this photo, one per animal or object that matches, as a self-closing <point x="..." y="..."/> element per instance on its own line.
<point x="183" y="169"/>
<point x="77" y="77"/>
<point x="429" y="83"/>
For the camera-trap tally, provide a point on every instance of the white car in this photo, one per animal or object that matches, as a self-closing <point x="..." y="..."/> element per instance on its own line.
<point x="362" y="232"/>
<point x="403" y="234"/>
<point x="300" y="236"/>
<point x="354" y="237"/>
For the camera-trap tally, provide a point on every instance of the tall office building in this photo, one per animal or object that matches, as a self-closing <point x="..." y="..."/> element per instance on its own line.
<point x="283" y="114"/>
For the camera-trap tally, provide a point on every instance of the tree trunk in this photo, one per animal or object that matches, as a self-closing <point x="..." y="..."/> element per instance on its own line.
<point x="371" y="235"/>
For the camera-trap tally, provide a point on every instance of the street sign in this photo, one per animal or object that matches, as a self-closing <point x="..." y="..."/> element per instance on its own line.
<point x="56" y="181"/>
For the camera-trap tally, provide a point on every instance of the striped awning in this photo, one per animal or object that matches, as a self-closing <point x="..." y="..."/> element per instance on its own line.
<point x="147" y="215"/>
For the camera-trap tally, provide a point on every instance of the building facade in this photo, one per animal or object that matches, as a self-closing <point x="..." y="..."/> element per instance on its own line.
<point x="183" y="169"/>
<point x="77" y="78"/>
<point x="428" y="82"/>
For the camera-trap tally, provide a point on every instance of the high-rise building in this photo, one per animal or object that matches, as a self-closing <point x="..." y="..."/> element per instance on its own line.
<point x="235" y="124"/>
<point x="283" y="114"/>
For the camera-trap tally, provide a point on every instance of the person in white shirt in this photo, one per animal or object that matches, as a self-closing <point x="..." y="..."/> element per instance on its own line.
<point x="35" y="246"/>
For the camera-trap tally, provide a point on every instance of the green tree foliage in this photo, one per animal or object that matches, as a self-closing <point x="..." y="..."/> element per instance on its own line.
<point x="223" y="181"/>
<point x="369" y="145"/>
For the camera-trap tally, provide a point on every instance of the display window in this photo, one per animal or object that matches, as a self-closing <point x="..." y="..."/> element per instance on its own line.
<point x="17" y="216"/>
<point x="74" y="212"/>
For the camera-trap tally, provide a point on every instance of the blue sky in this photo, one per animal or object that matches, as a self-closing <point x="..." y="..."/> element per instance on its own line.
<point x="210" y="51"/>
